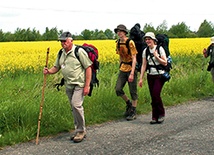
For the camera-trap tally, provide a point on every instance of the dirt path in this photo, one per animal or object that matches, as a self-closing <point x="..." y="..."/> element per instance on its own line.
<point x="188" y="129"/>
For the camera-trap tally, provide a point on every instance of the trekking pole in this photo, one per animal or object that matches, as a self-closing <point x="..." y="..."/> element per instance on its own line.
<point x="42" y="101"/>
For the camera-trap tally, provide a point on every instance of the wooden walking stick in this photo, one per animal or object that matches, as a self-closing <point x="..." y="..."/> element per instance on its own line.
<point x="42" y="101"/>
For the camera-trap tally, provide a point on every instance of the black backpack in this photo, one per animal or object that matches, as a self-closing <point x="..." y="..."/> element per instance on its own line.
<point x="163" y="40"/>
<point x="137" y="36"/>
<point x="92" y="52"/>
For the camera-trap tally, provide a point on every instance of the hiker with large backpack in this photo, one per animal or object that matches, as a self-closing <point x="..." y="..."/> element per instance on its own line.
<point x="127" y="71"/>
<point x="152" y="65"/>
<point x="209" y="52"/>
<point x="77" y="76"/>
<point x="137" y="35"/>
<point x="92" y="52"/>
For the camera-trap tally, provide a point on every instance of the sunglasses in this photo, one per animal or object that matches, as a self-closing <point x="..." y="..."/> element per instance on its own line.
<point x="62" y="41"/>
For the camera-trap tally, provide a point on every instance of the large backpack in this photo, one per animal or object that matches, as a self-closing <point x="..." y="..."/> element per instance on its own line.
<point x="92" y="52"/>
<point x="163" y="40"/>
<point x="137" y="36"/>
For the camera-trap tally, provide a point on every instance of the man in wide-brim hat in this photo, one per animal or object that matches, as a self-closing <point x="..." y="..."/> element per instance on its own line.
<point x="121" y="27"/>
<point x="127" y="72"/>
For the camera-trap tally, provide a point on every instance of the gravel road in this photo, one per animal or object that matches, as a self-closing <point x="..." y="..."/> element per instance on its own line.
<point x="188" y="130"/>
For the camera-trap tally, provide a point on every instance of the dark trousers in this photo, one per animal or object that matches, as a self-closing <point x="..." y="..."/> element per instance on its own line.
<point x="121" y="82"/>
<point x="155" y="86"/>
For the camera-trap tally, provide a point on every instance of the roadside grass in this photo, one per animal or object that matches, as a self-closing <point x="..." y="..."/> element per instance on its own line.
<point x="21" y="97"/>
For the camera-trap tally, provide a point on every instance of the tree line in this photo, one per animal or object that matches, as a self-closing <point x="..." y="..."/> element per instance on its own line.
<point x="180" y="30"/>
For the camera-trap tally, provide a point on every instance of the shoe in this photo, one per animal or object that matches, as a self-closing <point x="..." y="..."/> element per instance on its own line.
<point x="79" y="137"/>
<point x="153" y="121"/>
<point x="128" y="108"/>
<point x="73" y="135"/>
<point x="131" y="116"/>
<point x="160" y="120"/>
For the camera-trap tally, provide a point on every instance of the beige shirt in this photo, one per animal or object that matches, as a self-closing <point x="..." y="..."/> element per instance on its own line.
<point x="73" y="70"/>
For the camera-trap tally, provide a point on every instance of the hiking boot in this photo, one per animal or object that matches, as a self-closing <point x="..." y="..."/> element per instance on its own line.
<point x="79" y="137"/>
<point x="131" y="116"/>
<point x="128" y="108"/>
<point x="160" y="120"/>
<point x="73" y="135"/>
<point x="153" y="121"/>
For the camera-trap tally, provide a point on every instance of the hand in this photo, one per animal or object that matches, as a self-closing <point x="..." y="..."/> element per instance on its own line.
<point x="156" y="54"/>
<point x="131" y="78"/>
<point x="205" y="52"/>
<point x="86" y="90"/>
<point x="140" y="83"/>
<point x="45" y="71"/>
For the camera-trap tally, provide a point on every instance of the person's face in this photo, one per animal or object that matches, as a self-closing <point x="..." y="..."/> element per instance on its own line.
<point x="66" y="44"/>
<point x="121" y="33"/>
<point x="149" y="41"/>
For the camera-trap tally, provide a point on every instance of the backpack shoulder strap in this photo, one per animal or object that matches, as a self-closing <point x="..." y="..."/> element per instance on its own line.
<point x="76" y="52"/>
<point x="158" y="49"/>
<point x="127" y="42"/>
<point x="127" y="45"/>
<point x="118" y="43"/>
<point x="152" y="61"/>
<point x="209" y="49"/>
<point x="148" y="52"/>
<point x="59" y="53"/>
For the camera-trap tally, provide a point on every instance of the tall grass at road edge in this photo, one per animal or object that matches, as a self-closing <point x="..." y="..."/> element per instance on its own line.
<point x="21" y="97"/>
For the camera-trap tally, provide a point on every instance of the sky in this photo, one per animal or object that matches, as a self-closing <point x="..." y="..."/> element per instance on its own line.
<point x="78" y="15"/>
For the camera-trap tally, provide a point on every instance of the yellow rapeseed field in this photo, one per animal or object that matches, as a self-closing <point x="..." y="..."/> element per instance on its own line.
<point x="32" y="55"/>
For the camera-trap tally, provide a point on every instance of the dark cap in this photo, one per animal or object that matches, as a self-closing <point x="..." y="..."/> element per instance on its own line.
<point x="65" y="35"/>
<point x="121" y="27"/>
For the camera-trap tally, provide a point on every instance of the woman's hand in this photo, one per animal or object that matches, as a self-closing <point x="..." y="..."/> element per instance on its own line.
<point x="156" y="55"/>
<point x="140" y="83"/>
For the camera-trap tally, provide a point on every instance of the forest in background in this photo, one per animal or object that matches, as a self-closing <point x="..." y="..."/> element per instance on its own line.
<point x="180" y="30"/>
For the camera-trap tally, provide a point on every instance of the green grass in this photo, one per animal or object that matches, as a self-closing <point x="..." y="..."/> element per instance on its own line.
<point x="22" y="91"/>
